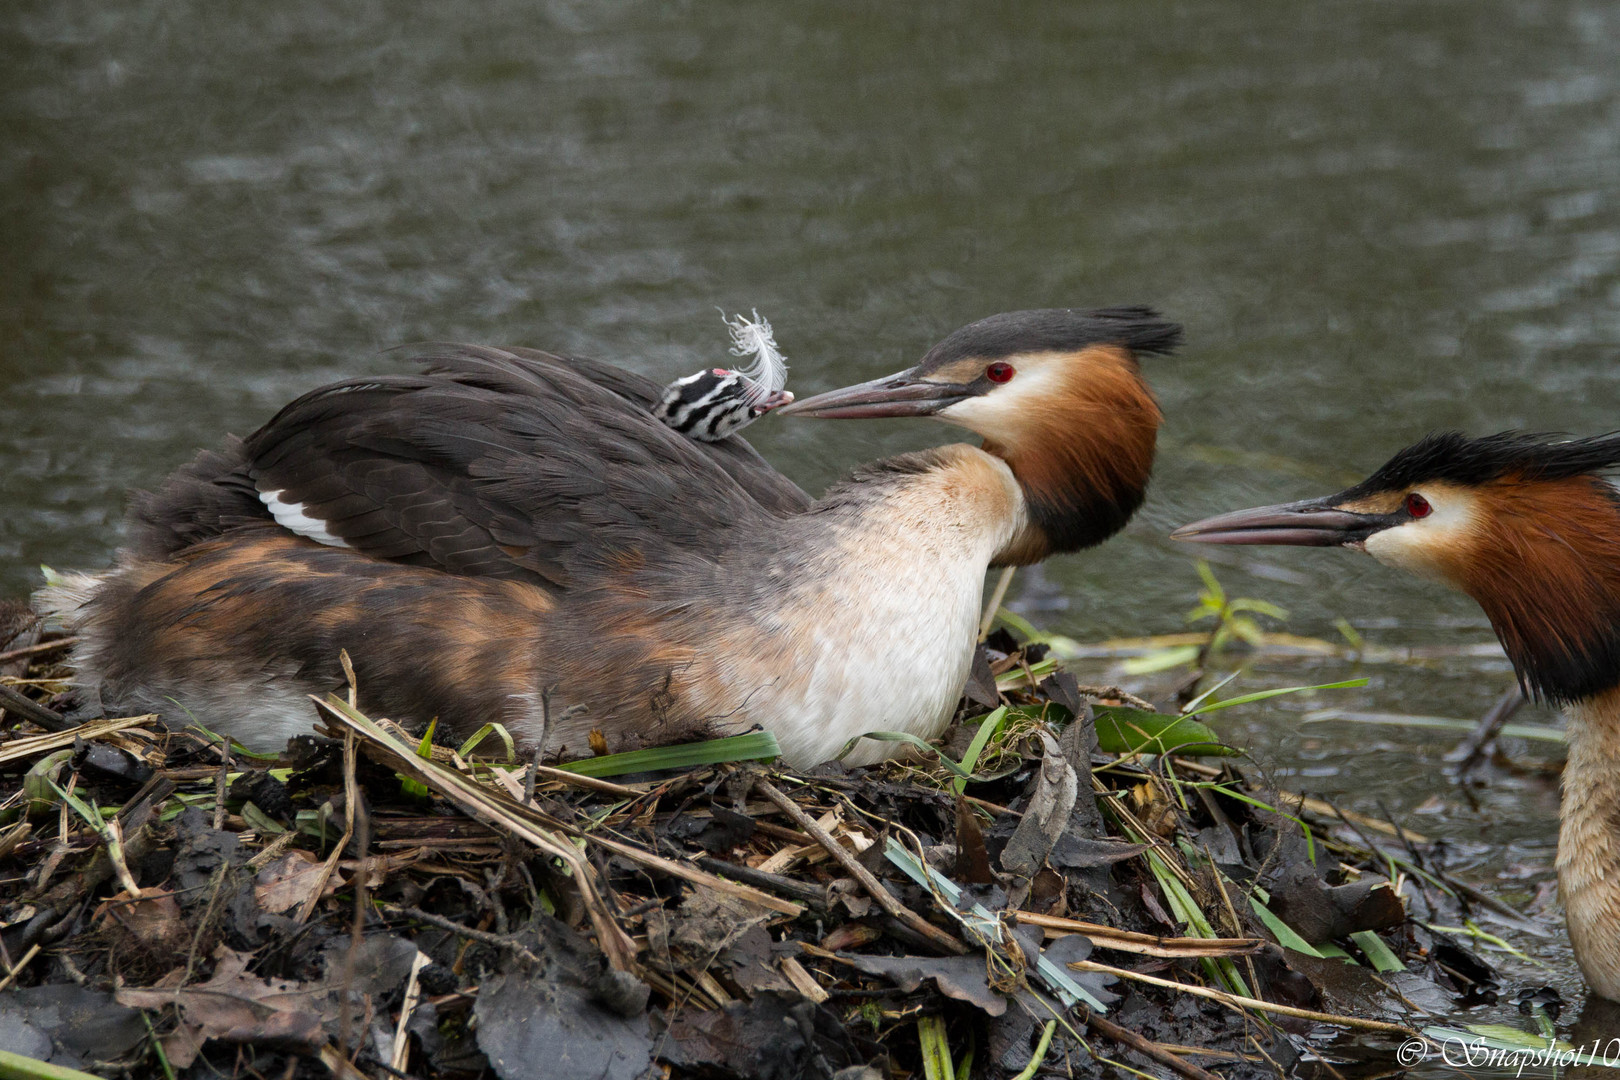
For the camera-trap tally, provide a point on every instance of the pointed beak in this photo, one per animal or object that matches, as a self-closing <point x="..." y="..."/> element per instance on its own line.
<point x="773" y="400"/>
<point x="903" y="394"/>
<point x="1311" y="523"/>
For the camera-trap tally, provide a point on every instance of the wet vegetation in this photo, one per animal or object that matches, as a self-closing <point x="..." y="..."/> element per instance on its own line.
<point x="1072" y="878"/>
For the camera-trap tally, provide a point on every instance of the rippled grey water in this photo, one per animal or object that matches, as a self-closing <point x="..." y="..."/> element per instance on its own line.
<point x="1374" y="219"/>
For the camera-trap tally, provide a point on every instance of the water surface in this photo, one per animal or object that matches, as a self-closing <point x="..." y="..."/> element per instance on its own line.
<point x="1373" y="219"/>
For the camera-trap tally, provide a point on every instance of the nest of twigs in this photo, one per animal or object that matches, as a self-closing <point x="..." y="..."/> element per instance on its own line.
<point x="1021" y="902"/>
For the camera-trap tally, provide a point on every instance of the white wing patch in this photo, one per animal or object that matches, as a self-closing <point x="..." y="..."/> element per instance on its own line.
<point x="291" y="516"/>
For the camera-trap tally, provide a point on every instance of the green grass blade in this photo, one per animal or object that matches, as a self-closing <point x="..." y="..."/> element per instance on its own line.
<point x="1262" y="695"/>
<point x="1541" y="732"/>
<point x="1185" y="909"/>
<point x="1232" y="792"/>
<point x="1191" y="708"/>
<point x="262" y="823"/>
<point x="936" y="1051"/>
<point x="485" y="732"/>
<point x="981" y="738"/>
<point x="1161" y="660"/>
<point x="237" y="749"/>
<point x="755" y="745"/>
<point x="17" y="1067"/>
<point x="1055" y="977"/>
<point x="1286" y="936"/>
<point x="1020" y="625"/>
<point x="1377" y="952"/>
<point x="157" y="1046"/>
<point x="424" y="749"/>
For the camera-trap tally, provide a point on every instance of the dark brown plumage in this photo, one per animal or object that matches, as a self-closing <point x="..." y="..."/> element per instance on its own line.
<point x="510" y="463"/>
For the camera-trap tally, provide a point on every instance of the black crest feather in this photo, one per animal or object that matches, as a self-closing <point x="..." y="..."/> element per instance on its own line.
<point x="1453" y="457"/>
<point x="1139" y="329"/>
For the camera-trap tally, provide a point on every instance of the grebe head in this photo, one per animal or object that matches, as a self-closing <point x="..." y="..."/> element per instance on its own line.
<point x="719" y="402"/>
<point x="1527" y="526"/>
<point x="1057" y="394"/>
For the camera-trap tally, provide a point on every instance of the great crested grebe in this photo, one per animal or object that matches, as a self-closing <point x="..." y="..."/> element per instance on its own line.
<point x="512" y="523"/>
<point x="1530" y="529"/>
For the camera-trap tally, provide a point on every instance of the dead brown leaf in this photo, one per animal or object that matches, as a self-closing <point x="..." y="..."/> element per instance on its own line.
<point x="288" y="882"/>
<point x="152" y="918"/>
<point x="235" y="1007"/>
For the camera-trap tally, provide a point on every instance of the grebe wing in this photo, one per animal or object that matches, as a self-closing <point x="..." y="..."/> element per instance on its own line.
<point x="492" y="463"/>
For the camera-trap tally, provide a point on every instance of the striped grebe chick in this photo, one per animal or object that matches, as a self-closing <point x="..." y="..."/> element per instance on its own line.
<point x="718" y="402"/>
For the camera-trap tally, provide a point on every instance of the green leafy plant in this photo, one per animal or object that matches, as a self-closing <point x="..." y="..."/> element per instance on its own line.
<point x="1123" y="730"/>
<point x="988" y="727"/>
<point x="961" y="771"/>
<point x="485" y="732"/>
<point x="424" y="749"/>
<point x="1234" y="616"/>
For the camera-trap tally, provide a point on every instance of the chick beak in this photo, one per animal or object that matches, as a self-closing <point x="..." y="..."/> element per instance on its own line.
<point x="1311" y="523"/>
<point x="902" y="394"/>
<point x="776" y="399"/>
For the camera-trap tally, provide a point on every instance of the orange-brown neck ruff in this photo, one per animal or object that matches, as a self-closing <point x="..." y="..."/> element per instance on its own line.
<point x="1545" y="566"/>
<point x="1082" y="455"/>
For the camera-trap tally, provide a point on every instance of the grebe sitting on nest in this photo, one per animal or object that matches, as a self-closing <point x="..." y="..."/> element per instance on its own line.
<point x="512" y="521"/>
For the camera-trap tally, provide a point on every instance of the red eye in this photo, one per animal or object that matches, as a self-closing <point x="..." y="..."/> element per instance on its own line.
<point x="1418" y="506"/>
<point x="999" y="372"/>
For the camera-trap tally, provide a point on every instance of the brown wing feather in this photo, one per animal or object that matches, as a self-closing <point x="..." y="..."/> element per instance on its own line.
<point x="733" y="454"/>
<point x="502" y="463"/>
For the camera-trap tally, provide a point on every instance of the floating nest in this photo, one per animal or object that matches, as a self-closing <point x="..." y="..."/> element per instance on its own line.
<point x="1067" y="882"/>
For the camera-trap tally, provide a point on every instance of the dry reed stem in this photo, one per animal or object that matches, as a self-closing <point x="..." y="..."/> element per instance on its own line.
<point x="331" y="862"/>
<point x="501" y="811"/>
<point x="18" y="749"/>
<point x="35" y="650"/>
<point x="485" y="805"/>
<point x="33" y="951"/>
<point x="872" y="885"/>
<point x="994" y="603"/>
<point x="1146" y="1047"/>
<point x="1240" y="1003"/>
<point x="1108" y="937"/>
<point x="589" y="783"/>
<point x="413" y="996"/>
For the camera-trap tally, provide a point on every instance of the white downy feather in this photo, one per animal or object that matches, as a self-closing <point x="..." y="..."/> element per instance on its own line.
<point x="753" y="338"/>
